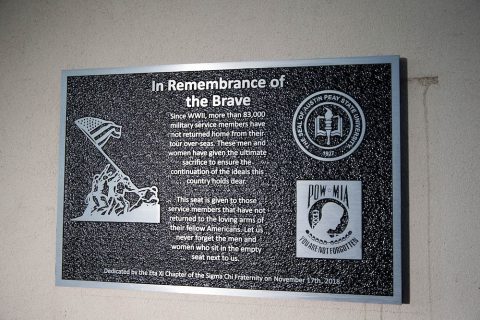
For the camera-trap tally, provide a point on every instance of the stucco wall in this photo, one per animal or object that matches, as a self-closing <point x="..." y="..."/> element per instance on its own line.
<point x="439" y="39"/>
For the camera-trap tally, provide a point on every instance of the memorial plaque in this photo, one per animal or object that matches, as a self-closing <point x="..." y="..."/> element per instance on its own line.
<point x="264" y="179"/>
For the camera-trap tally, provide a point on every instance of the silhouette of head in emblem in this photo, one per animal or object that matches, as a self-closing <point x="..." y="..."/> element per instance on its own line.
<point x="330" y="219"/>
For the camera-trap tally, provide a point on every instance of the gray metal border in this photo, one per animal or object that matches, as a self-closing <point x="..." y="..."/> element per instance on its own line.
<point x="397" y="257"/>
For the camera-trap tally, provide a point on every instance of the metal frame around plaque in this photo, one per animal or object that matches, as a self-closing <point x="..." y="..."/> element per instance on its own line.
<point x="67" y="272"/>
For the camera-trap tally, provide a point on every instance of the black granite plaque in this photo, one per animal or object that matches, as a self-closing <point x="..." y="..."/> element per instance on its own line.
<point x="254" y="179"/>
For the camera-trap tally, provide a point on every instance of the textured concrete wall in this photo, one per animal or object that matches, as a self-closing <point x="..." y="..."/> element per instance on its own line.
<point x="438" y="38"/>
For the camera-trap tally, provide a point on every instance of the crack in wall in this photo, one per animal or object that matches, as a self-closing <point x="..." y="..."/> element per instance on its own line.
<point x="426" y="83"/>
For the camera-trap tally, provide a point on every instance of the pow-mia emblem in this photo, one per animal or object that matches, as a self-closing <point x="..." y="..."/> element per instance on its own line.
<point x="329" y="219"/>
<point x="329" y="125"/>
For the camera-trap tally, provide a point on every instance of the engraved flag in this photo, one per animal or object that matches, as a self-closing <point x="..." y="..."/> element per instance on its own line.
<point x="98" y="130"/>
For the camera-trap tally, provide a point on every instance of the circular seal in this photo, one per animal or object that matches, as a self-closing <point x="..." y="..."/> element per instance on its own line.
<point x="328" y="125"/>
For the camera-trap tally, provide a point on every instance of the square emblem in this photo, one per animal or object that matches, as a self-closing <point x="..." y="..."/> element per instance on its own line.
<point x="329" y="219"/>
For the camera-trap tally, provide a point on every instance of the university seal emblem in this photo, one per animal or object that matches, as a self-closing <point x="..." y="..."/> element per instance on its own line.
<point x="328" y="125"/>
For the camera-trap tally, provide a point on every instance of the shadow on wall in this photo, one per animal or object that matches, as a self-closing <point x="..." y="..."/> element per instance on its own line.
<point x="404" y="188"/>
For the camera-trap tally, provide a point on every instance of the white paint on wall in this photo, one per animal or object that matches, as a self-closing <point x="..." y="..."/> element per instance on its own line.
<point x="439" y="39"/>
